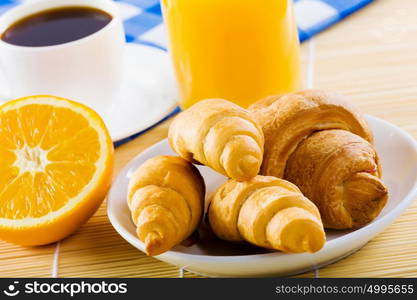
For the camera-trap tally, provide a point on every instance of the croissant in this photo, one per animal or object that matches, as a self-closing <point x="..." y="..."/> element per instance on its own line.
<point x="166" y="199"/>
<point x="267" y="212"/>
<point x="221" y="135"/>
<point x="288" y="119"/>
<point x="339" y="171"/>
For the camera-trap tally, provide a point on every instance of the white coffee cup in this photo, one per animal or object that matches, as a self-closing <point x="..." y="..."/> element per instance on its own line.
<point x="87" y="70"/>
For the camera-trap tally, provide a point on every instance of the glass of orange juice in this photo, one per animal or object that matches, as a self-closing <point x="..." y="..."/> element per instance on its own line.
<point x="239" y="50"/>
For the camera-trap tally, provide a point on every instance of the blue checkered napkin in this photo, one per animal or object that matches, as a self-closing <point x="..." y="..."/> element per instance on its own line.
<point x="313" y="16"/>
<point x="143" y="20"/>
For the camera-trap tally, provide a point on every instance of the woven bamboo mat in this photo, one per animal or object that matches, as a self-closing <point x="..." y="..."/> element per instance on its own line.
<point x="370" y="57"/>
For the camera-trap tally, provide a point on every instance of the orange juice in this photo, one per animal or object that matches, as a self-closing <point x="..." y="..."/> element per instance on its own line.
<point x="239" y="50"/>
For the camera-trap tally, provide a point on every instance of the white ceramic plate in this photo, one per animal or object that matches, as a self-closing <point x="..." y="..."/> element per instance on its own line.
<point x="210" y="256"/>
<point x="148" y="93"/>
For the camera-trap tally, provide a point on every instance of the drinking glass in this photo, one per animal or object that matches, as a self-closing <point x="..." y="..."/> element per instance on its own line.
<point x="239" y="50"/>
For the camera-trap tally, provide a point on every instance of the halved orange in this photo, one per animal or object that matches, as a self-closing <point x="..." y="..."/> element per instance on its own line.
<point x="56" y="159"/>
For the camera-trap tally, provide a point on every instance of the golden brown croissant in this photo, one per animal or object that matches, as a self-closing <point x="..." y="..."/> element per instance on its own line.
<point x="166" y="199"/>
<point x="221" y="135"/>
<point x="268" y="212"/>
<point x="288" y="119"/>
<point x="339" y="171"/>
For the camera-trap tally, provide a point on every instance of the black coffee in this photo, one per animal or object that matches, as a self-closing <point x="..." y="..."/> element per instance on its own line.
<point x="56" y="26"/>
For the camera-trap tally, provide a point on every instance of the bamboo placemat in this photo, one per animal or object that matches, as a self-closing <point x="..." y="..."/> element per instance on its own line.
<point x="369" y="57"/>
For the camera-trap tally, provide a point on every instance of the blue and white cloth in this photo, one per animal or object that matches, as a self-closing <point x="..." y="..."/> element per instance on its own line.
<point x="143" y="20"/>
<point x="313" y="16"/>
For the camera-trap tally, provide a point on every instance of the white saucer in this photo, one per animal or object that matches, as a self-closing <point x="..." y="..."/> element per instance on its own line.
<point x="148" y="93"/>
<point x="210" y="256"/>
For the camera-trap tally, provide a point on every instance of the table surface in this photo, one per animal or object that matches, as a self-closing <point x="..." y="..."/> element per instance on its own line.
<point x="370" y="57"/>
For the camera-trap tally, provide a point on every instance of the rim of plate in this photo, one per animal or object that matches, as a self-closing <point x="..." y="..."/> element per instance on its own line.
<point x="374" y="226"/>
<point x="166" y="114"/>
